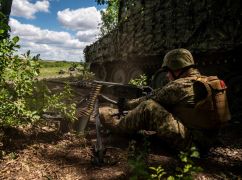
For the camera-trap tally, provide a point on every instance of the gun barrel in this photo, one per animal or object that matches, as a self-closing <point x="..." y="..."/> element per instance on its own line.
<point x="128" y="91"/>
<point x="107" y="83"/>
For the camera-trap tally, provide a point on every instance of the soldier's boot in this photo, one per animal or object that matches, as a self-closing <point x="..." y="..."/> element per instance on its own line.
<point x="108" y="118"/>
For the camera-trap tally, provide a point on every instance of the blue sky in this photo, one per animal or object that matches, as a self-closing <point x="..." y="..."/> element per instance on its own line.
<point x="55" y="29"/>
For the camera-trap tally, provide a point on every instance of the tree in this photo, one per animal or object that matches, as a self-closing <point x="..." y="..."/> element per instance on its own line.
<point x="102" y="1"/>
<point x="109" y="15"/>
<point x="5" y="10"/>
<point x="5" y="7"/>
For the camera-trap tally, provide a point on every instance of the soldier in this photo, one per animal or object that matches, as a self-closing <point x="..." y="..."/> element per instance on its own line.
<point x="187" y="108"/>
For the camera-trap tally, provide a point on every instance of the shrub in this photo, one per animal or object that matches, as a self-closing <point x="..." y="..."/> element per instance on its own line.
<point x="60" y="103"/>
<point x="140" y="81"/>
<point x="17" y="76"/>
<point x="20" y="92"/>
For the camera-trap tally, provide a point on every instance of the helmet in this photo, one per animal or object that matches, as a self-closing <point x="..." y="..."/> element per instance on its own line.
<point x="177" y="59"/>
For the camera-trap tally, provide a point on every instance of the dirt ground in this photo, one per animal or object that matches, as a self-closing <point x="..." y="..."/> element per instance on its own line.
<point x="41" y="152"/>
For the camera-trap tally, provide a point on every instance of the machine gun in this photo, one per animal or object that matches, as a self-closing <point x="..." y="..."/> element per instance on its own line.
<point x="99" y="90"/>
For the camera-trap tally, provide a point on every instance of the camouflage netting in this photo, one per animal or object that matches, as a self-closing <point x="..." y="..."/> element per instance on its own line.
<point x="149" y="28"/>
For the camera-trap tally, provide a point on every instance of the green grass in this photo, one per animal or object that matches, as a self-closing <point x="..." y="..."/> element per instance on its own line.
<point x="51" y="72"/>
<point x="47" y="64"/>
<point x="51" y="69"/>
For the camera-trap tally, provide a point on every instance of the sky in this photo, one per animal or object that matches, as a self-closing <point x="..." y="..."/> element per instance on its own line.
<point x="55" y="29"/>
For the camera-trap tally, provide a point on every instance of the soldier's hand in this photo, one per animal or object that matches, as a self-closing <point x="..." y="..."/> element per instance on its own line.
<point x="147" y="90"/>
<point x="122" y="104"/>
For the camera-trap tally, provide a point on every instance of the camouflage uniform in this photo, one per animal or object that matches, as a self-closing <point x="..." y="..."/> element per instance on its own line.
<point x="158" y="111"/>
<point x="154" y="113"/>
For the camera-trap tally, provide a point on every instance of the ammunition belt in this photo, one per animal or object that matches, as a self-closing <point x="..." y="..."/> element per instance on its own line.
<point x="95" y="91"/>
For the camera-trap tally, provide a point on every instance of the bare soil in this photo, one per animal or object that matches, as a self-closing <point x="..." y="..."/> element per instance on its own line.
<point x="42" y="152"/>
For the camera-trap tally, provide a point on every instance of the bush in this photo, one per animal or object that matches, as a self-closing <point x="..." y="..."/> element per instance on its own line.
<point x="17" y="76"/>
<point x="20" y="92"/>
<point x="60" y="103"/>
<point x="140" y="81"/>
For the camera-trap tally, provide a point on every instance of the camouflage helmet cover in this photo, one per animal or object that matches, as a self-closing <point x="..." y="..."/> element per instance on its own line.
<point x="177" y="59"/>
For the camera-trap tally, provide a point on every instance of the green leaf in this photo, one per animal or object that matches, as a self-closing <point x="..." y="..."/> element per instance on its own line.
<point x="15" y="39"/>
<point x="162" y="174"/>
<point x="195" y="154"/>
<point x="170" y="178"/>
<point x="184" y="159"/>
<point x="187" y="168"/>
<point x="153" y="175"/>
<point x="2" y="31"/>
<point x="152" y="168"/>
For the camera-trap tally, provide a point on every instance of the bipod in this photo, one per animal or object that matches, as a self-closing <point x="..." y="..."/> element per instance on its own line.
<point x="99" y="150"/>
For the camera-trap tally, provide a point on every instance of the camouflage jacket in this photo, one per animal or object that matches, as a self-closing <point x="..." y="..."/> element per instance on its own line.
<point x="178" y="92"/>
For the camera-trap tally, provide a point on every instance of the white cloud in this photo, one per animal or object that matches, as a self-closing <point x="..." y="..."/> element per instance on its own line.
<point x="80" y="19"/>
<point x="54" y="45"/>
<point x="51" y="45"/>
<point x="87" y="36"/>
<point x="26" y="9"/>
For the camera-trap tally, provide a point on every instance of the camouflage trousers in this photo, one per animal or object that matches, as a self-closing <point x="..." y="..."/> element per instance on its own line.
<point x="151" y="116"/>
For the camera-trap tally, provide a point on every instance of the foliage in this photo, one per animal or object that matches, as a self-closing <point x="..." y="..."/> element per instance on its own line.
<point x="137" y="160"/>
<point x="86" y="75"/>
<point x="138" y="168"/>
<point x="17" y="75"/>
<point x="4" y="28"/>
<point x="186" y="171"/>
<point x="74" y="65"/>
<point x="60" y="103"/>
<point x="22" y="98"/>
<point x="109" y="16"/>
<point x="102" y="2"/>
<point x="188" y="168"/>
<point x="13" y="155"/>
<point x="56" y="102"/>
<point x="140" y="81"/>
<point x="158" y="174"/>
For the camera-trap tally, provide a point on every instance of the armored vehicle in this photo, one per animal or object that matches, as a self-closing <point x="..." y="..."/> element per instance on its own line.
<point x="211" y="30"/>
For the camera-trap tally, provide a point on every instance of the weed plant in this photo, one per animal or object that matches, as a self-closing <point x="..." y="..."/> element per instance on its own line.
<point x="186" y="170"/>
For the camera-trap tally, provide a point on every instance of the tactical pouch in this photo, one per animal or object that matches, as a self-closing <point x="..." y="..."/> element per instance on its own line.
<point x="216" y="100"/>
<point x="210" y="112"/>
